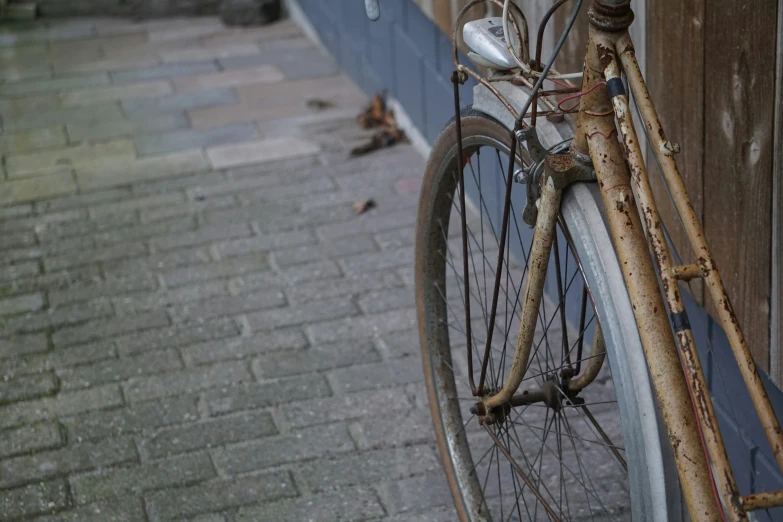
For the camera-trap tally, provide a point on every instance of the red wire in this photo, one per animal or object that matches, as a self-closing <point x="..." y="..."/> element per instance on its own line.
<point x="561" y="83"/>
<point x="704" y="447"/>
<point x="577" y="95"/>
<point x="607" y="136"/>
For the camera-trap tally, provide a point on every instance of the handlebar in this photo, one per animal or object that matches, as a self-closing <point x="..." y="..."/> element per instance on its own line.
<point x="373" y="9"/>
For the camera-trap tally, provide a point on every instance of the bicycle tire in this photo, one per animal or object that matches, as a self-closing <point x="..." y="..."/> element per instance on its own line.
<point x="652" y="478"/>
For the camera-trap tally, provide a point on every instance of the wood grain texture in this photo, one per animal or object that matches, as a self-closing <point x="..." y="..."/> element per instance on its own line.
<point x="675" y="74"/>
<point x="739" y="86"/>
<point x="776" y="318"/>
<point x="572" y="55"/>
<point x="442" y="15"/>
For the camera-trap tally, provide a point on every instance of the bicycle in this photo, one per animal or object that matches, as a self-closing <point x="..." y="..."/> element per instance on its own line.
<point x="587" y="197"/>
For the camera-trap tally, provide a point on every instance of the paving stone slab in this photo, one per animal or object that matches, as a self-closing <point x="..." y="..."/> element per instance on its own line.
<point x="210" y="434"/>
<point x="107" y="328"/>
<point x="109" y="64"/>
<point x="186" y="381"/>
<point x="210" y="52"/>
<point x="227" y="156"/>
<point x="36" y="116"/>
<point x="27" y="387"/>
<point x="34" y="499"/>
<point x="316" y="358"/>
<point x="32" y="140"/>
<point x="118" y="370"/>
<point x="25" y="88"/>
<point x="391" y="373"/>
<point x="415" y="494"/>
<point x="114" y="510"/>
<point x="150" y="89"/>
<point x="72" y="459"/>
<point x="140" y="417"/>
<point x="180" y="101"/>
<point x="21" y="303"/>
<point x="279" y="31"/>
<point x="216" y="495"/>
<point x="37" y="188"/>
<point x="176" y="471"/>
<point x="145" y="169"/>
<point x="269" y="393"/>
<point x="263" y="74"/>
<point x="62" y="404"/>
<point x="224" y="269"/>
<point x="27" y="439"/>
<point x="369" y="467"/>
<point x="194" y="138"/>
<point x="346" y="407"/>
<point x="344" y="504"/>
<point x="126" y="127"/>
<point x="362" y="326"/>
<point x="164" y="71"/>
<point x="146" y="302"/>
<point x="280" y="340"/>
<point x="284" y="449"/>
<point x="57" y="360"/>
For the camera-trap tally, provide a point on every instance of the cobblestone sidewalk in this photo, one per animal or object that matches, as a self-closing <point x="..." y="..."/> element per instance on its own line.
<point x="195" y="323"/>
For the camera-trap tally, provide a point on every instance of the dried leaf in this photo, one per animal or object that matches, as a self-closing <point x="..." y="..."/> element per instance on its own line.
<point x="363" y="206"/>
<point x="381" y="139"/>
<point x="376" y="116"/>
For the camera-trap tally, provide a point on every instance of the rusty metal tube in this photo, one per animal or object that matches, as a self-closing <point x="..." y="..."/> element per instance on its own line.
<point x="596" y="133"/>
<point x="682" y="203"/>
<point x="698" y="389"/>
<point x="548" y="210"/>
<point x="597" y="356"/>
<point x="758" y="501"/>
<point x="686" y="272"/>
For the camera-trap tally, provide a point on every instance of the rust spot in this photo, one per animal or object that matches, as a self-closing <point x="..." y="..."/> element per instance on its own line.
<point x="675" y="442"/>
<point x="735" y="500"/>
<point x="605" y="55"/>
<point x="627" y="48"/>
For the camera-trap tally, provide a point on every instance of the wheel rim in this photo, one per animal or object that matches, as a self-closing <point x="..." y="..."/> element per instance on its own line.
<point x="472" y="463"/>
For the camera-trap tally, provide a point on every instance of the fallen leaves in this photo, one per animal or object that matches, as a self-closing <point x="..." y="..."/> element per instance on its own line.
<point x="377" y="116"/>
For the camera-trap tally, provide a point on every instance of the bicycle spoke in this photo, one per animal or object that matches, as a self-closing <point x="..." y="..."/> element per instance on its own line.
<point x="486" y="263"/>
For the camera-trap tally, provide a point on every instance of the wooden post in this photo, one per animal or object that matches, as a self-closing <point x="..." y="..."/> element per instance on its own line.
<point x="776" y="315"/>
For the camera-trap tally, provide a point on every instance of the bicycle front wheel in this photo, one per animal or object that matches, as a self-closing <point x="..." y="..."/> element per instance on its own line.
<point x="595" y="455"/>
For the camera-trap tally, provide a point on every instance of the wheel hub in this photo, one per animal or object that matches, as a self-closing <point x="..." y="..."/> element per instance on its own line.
<point x="553" y="393"/>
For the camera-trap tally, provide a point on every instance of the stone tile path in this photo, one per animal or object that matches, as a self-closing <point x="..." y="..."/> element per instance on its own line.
<point x="195" y="323"/>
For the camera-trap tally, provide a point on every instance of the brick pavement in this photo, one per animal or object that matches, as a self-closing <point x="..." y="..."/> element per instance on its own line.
<point x="196" y="325"/>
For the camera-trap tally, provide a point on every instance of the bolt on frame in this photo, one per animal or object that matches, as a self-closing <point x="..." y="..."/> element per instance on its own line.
<point x="637" y="231"/>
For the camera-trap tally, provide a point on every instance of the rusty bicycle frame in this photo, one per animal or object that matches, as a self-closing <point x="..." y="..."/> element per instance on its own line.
<point x="707" y="480"/>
